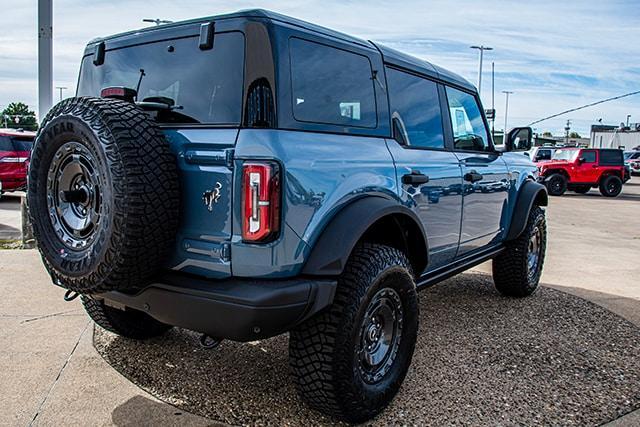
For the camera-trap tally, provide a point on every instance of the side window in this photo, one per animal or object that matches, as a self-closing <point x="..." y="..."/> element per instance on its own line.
<point x="331" y="85"/>
<point x="415" y="102"/>
<point x="589" y="156"/>
<point x="469" y="131"/>
<point x="544" y="155"/>
<point x="611" y="158"/>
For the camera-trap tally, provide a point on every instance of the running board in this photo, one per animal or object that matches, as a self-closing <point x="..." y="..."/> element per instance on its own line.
<point x="442" y="273"/>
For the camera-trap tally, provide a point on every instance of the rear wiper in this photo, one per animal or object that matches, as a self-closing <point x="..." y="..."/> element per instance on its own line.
<point x="158" y="103"/>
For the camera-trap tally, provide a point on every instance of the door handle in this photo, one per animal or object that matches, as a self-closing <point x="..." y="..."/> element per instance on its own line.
<point x="472" y="176"/>
<point x="415" y="178"/>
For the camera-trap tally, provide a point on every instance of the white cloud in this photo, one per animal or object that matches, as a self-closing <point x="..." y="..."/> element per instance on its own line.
<point x="538" y="45"/>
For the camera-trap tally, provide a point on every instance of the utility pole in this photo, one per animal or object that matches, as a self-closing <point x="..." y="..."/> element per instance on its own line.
<point x="493" y="96"/>
<point x="61" y="88"/>
<point x="45" y="56"/>
<point x="506" y="111"/>
<point x="567" y="128"/>
<point x="628" y="117"/>
<point x="481" y="50"/>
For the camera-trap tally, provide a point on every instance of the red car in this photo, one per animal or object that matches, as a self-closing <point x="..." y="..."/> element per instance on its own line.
<point x="15" y="151"/>
<point x="580" y="169"/>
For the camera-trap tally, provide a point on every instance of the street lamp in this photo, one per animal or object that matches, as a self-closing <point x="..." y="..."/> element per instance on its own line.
<point x="628" y="117"/>
<point x="481" y="50"/>
<point x="506" y="111"/>
<point x="61" y="88"/>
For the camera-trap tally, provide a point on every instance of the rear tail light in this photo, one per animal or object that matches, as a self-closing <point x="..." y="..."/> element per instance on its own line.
<point x="13" y="159"/>
<point x="260" y="201"/>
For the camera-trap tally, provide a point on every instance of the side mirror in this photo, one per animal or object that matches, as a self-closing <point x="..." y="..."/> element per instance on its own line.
<point x="581" y="160"/>
<point x="519" y="139"/>
<point x="490" y="114"/>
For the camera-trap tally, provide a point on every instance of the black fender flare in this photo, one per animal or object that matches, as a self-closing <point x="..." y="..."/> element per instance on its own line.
<point x="531" y="193"/>
<point x="331" y="251"/>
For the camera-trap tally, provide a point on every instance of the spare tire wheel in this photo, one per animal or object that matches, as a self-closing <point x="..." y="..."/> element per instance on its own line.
<point x="103" y="195"/>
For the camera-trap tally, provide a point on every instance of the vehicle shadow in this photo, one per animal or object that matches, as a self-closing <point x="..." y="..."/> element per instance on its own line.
<point x="140" y="411"/>
<point x="595" y="194"/>
<point x="480" y="357"/>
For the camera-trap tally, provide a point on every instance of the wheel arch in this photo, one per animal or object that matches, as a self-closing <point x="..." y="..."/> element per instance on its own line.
<point x="371" y="219"/>
<point x="531" y="194"/>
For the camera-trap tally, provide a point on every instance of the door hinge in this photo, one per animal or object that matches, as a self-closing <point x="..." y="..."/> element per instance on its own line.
<point x="228" y="155"/>
<point x="225" y="252"/>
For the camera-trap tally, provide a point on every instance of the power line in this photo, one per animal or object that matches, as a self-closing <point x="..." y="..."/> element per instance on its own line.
<point x="585" y="106"/>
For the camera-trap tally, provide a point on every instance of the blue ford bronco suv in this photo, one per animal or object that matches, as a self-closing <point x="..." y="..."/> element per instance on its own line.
<point x="250" y="174"/>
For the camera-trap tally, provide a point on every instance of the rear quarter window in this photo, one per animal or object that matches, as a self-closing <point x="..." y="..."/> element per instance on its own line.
<point x="206" y="85"/>
<point x="611" y="158"/>
<point x="331" y="85"/>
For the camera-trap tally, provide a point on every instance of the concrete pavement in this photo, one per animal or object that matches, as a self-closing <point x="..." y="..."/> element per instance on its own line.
<point x="51" y="374"/>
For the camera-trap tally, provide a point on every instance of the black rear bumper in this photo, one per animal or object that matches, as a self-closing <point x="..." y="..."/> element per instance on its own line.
<point x="236" y="309"/>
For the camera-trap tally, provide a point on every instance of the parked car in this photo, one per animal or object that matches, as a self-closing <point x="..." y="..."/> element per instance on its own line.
<point x="251" y="174"/>
<point x="15" y="150"/>
<point x="540" y="154"/>
<point x="632" y="161"/>
<point x="580" y="169"/>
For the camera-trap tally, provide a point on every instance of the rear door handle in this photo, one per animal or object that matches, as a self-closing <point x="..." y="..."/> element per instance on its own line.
<point x="472" y="176"/>
<point x="415" y="178"/>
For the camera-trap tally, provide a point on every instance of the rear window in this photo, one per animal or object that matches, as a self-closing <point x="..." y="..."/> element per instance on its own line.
<point x="205" y="85"/>
<point x="331" y="86"/>
<point x="611" y="157"/>
<point x="15" y="143"/>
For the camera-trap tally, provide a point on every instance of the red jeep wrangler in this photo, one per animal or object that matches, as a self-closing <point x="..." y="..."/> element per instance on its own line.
<point x="580" y="169"/>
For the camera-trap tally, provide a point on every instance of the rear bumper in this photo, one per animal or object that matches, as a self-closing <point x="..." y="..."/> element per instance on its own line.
<point x="236" y="309"/>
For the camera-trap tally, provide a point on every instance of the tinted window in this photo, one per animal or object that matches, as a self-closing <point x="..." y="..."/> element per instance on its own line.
<point x="469" y="131"/>
<point x="543" y="155"/>
<point x="588" y="156"/>
<point x="415" y="102"/>
<point x="331" y="86"/>
<point x="9" y="143"/>
<point x="207" y="84"/>
<point x="611" y="157"/>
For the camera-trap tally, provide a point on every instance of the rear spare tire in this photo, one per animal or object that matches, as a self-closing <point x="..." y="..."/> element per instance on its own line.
<point x="103" y="195"/>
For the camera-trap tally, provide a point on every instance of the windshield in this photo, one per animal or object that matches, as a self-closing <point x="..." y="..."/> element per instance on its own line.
<point x="568" y="155"/>
<point x="204" y="85"/>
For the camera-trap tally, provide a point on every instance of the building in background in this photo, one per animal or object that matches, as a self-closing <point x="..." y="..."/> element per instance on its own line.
<point x="623" y="137"/>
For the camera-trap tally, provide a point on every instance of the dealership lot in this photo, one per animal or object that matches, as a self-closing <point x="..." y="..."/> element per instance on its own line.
<point x="60" y="372"/>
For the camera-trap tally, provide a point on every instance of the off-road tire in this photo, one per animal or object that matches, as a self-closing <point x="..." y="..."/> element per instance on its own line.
<point x="581" y="189"/>
<point x="322" y="350"/>
<point x="556" y="184"/>
<point x="610" y="186"/>
<point x="126" y="323"/>
<point x="511" y="273"/>
<point x="137" y="205"/>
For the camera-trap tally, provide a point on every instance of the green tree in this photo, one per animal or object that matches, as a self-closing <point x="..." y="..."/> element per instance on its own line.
<point x="547" y="134"/>
<point x="18" y="115"/>
<point x="574" y="135"/>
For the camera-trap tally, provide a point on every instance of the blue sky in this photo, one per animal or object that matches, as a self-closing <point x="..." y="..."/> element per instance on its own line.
<point x="554" y="55"/>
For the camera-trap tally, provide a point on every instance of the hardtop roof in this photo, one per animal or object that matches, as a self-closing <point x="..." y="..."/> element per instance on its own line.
<point x="389" y="55"/>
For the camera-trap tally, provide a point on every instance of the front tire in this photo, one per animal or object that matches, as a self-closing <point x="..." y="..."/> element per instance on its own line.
<point x="610" y="186"/>
<point x="126" y="323"/>
<point x="556" y="184"/>
<point x="350" y="360"/>
<point x="517" y="270"/>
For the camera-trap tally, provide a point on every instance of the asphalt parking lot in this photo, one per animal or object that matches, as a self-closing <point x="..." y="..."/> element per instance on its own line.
<point x="570" y="355"/>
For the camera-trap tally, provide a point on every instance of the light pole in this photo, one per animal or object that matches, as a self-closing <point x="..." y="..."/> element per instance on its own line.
<point x="61" y="88"/>
<point x="45" y="56"/>
<point x="506" y="111"/>
<point x="628" y="117"/>
<point x="481" y="50"/>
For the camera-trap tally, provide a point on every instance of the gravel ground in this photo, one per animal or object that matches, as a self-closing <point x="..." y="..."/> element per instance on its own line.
<point x="481" y="359"/>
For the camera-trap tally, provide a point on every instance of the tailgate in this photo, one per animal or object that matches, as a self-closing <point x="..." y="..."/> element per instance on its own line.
<point x="204" y="162"/>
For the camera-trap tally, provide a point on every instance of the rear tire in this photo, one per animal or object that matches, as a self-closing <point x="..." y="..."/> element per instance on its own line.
<point x="517" y="270"/>
<point x="127" y="323"/>
<point x="350" y="360"/>
<point x="556" y="184"/>
<point x="610" y="186"/>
